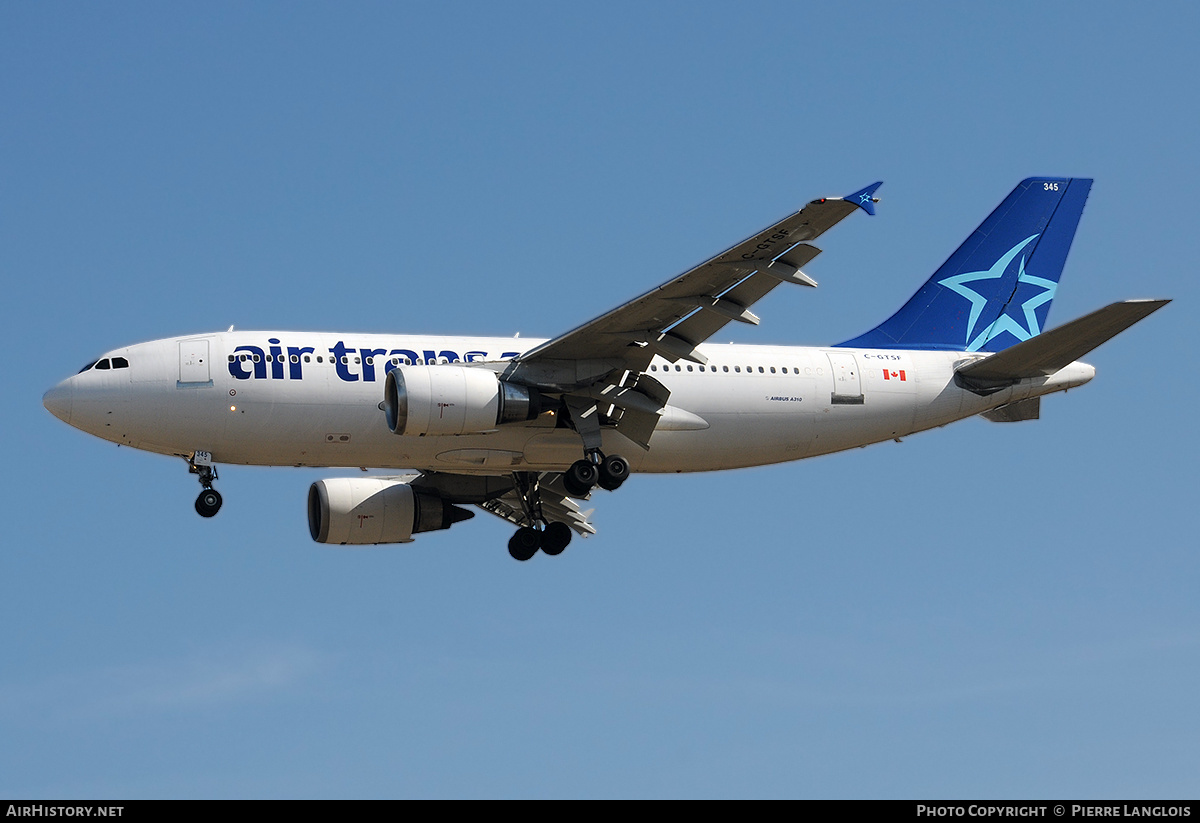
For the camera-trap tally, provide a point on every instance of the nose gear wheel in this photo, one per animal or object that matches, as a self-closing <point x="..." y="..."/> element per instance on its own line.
<point x="209" y="501"/>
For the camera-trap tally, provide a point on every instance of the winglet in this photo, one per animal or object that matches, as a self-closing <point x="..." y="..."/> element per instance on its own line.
<point x="865" y="198"/>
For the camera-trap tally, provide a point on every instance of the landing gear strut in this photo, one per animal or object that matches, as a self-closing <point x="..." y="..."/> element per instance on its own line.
<point x="551" y="538"/>
<point x="209" y="501"/>
<point x="594" y="469"/>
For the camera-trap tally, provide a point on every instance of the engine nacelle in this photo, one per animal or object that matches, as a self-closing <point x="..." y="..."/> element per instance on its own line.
<point x="358" y="511"/>
<point x="441" y="400"/>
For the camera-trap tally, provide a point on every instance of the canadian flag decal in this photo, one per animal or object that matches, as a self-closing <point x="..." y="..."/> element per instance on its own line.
<point x="894" y="375"/>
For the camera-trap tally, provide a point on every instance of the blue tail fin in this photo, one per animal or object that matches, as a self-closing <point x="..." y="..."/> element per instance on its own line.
<point x="995" y="291"/>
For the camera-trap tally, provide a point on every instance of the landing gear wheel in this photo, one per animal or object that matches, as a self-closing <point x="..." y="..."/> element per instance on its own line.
<point x="555" y="538"/>
<point x="524" y="544"/>
<point x="580" y="478"/>
<point x="614" y="470"/>
<point x="208" y="503"/>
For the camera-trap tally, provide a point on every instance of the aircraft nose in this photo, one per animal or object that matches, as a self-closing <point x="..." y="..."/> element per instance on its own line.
<point x="59" y="400"/>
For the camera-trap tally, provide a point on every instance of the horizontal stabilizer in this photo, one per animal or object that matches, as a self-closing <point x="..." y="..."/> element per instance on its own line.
<point x="1052" y="350"/>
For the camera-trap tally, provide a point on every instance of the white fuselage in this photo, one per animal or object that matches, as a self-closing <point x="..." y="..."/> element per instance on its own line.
<point x="313" y="399"/>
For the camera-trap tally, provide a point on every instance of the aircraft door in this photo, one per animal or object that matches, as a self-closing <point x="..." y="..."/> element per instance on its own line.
<point x="193" y="362"/>
<point x="847" y="382"/>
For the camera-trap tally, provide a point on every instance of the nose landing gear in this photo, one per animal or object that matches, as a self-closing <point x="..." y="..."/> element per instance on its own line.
<point x="209" y="501"/>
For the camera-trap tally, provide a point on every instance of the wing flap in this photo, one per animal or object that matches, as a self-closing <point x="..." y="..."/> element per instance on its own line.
<point x="1028" y="409"/>
<point x="557" y="507"/>
<point x="764" y="276"/>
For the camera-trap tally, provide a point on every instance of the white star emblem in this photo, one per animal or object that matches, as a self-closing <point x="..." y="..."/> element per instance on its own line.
<point x="1005" y="322"/>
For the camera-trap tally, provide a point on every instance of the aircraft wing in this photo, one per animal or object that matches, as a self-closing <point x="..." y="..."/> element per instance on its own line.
<point x="674" y="318"/>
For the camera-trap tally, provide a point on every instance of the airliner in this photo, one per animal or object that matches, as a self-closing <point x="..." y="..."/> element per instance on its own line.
<point x="525" y="429"/>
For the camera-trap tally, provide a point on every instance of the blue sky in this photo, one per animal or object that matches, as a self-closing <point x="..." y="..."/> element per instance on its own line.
<point x="982" y="611"/>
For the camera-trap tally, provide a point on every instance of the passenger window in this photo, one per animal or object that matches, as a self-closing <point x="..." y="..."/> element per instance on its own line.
<point x="689" y="368"/>
<point x="256" y="358"/>
<point x="724" y="368"/>
<point x="231" y="358"/>
<point x="737" y="369"/>
<point x="370" y="361"/>
<point x="307" y="359"/>
<point x="760" y="370"/>
<point x="772" y="370"/>
<point x="295" y="358"/>
<point x="320" y="359"/>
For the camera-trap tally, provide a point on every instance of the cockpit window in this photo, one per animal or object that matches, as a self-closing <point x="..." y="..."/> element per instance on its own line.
<point x="105" y="364"/>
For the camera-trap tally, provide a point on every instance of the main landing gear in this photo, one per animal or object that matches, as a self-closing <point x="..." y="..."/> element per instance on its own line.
<point x="595" y="470"/>
<point x="209" y="501"/>
<point x="583" y="476"/>
<point x="551" y="538"/>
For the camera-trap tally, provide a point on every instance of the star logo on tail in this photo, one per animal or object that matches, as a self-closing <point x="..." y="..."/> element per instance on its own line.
<point x="1023" y="327"/>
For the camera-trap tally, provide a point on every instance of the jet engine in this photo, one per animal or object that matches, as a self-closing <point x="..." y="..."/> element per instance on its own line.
<point x="361" y="511"/>
<point x="440" y="400"/>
